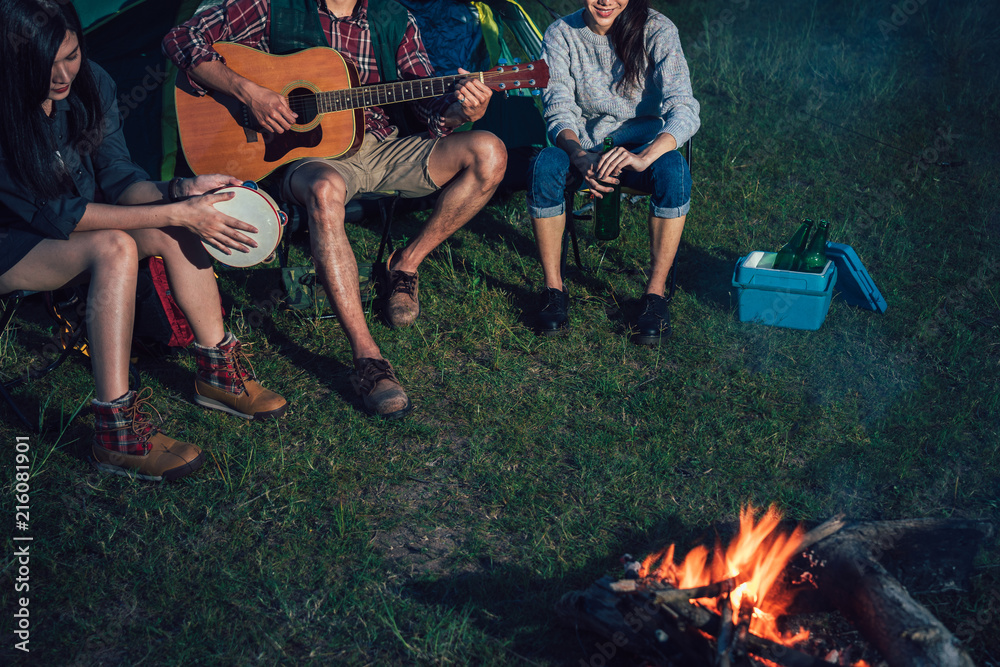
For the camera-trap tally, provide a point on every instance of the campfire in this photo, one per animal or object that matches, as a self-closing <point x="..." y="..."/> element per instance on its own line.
<point x="734" y="605"/>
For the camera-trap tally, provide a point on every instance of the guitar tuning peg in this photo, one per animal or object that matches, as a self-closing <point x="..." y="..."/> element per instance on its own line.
<point x="502" y="61"/>
<point x="517" y="60"/>
<point x="536" y="92"/>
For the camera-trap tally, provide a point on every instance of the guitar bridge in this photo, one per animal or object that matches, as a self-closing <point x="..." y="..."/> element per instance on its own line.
<point x="248" y="125"/>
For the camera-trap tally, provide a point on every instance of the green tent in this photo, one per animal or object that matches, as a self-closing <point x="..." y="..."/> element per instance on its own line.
<point x="123" y="36"/>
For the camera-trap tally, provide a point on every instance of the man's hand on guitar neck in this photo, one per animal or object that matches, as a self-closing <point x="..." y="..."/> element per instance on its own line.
<point x="269" y="109"/>
<point x="472" y="98"/>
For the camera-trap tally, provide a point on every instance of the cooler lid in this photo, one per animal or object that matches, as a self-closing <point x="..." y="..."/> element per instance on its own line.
<point x="853" y="282"/>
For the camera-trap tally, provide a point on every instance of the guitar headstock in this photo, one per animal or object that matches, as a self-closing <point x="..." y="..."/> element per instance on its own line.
<point x="519" y="75"/>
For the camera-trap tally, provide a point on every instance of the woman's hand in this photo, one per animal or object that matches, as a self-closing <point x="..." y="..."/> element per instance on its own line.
<point x="589" y="166"/>
<point x="199" y="185"/>
<point x="618" y="159"/>
<point x="199" y="215"/>
<point x="585" y="162"/>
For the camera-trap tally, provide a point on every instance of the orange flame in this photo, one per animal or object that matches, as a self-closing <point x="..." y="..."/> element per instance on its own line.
<point x="756" y="557"/>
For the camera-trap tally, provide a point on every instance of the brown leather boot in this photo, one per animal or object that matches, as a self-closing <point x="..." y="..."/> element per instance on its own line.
<point x="383" y="396"/>
<point x="126" y="443"/>
<point x="401" y="303"/>
<point x="225" y="381"/>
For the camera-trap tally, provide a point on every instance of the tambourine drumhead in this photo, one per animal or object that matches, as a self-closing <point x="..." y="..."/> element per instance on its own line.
<point x="255" y="208"/>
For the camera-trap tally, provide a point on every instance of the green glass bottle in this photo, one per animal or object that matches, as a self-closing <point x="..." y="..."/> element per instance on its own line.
<point x="608" y="209"/>
<point x="814" y="259"/>
<point x="790" y="255"/>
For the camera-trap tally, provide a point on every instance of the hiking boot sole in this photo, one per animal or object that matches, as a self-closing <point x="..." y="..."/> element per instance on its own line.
<point x="558" y="331"/>
<point x="168" y="476"/>
<point x="213" y="404"/>
<point x="655" y="339"/>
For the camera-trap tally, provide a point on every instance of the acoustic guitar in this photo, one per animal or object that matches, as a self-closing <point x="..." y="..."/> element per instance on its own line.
<point x="220" y="135"/>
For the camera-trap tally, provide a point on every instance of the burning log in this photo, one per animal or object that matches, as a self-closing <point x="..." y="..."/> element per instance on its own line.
<point x="648" y="616"/>
<point x="671" y="633"/>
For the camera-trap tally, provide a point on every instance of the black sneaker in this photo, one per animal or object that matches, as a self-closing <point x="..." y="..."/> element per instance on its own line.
<point x="653" y="325"/>
<point x="552" y="317"/>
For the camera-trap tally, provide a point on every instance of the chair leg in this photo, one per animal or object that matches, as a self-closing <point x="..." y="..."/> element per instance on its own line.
<point x="10" y="304"/>
<point x="672" y="280"/>
<point x="571" y="232"/>
<point x="387" y="211"/>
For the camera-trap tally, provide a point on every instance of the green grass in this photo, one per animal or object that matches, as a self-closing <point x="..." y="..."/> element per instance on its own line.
<point x="531" y="464"/>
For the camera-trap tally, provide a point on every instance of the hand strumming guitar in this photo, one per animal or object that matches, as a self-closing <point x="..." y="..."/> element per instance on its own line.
<point x="269" y="108"/>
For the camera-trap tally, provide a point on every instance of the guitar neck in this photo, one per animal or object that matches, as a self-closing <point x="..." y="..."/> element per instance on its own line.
<point x="389" y="93"/>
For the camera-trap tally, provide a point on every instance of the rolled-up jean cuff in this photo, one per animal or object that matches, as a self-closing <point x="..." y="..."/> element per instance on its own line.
<point x="670" y="212"/>
<point x="549" y="212"/>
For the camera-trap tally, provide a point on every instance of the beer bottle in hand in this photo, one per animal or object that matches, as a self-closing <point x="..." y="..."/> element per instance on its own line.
<point x="789" y="257"/>
<point x="814" y="258"/>
<point x="607" y="208"/>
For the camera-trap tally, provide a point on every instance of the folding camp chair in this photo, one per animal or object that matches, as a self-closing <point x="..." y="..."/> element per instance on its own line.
<point x="572" y="216"/>
<point x="379" y="204"/>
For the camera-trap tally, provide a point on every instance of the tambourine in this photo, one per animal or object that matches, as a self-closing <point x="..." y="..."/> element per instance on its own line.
<point x="255" y="207"/>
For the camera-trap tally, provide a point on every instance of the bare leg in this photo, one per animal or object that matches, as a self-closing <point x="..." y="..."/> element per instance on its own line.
<point x="469" y="166"/>
<point x="323" y="190"/>
<point x="549" y="237"/>
<point x="664" y="239"/>
<point x="192" y="280"/>
<point x="109" y="256"/>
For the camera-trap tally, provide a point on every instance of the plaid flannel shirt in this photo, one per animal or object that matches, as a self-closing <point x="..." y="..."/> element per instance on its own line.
<point x="247" y="22"/>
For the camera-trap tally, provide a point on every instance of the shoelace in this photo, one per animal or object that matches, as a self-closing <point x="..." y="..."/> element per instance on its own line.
<point x="404" y="282"/>
<point x="553" y="298"/>
<point x="653" y="307"/>
<point x="371" y="372"/>
<point x="139" y="419"/>
<point x="241" y="362"/>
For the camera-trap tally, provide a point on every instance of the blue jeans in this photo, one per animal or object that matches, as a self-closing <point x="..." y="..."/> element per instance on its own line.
<point x="668" y="180"/>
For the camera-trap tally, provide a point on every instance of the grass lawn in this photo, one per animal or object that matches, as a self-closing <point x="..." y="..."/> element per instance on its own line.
<point x="532" y="464"/>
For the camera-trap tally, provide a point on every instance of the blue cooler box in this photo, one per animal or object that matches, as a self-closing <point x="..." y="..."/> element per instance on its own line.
<point x="792" y="299"/>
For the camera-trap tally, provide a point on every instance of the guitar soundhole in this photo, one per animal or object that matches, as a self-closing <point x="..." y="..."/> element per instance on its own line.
<point x="303" y="102"/>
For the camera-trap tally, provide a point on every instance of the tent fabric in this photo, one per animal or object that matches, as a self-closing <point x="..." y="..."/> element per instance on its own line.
<point x="93" y="11"/>
<point x="124" y="38"/>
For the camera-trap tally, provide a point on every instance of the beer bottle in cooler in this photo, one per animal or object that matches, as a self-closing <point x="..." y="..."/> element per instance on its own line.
<point x="790" y="255"/>
<point x="814" y="258"/>
<point x="607" y="208"/>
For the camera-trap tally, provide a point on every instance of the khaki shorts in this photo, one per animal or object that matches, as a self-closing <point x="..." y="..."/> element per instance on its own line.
<point x="393" y="165"/>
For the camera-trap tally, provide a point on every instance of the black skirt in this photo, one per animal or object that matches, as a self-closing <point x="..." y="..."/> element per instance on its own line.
<point x="15" y="243"/>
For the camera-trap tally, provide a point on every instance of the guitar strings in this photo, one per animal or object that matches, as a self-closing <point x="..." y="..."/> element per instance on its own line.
<point x="366" y="96"/>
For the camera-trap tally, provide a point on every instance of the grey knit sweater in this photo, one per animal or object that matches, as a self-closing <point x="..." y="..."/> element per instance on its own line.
<point x="581" y="96"/>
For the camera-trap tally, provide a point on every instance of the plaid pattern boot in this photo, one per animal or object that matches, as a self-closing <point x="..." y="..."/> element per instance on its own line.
<point x="126" y="443"/>
<point x="225" y="381"/>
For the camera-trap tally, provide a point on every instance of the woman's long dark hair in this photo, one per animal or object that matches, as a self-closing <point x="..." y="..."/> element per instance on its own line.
<point x="628" y="39"/>
<point x="31" y="32"/>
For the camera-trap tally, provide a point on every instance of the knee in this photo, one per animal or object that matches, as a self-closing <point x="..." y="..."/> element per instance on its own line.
<point x="551" y="164"/>
<point x="326" y="192"/>
<point x="671" y="166"/>
<point x="490" y="155"/>
<point x="114" y="260"/>
<point x="114" y="248"/>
